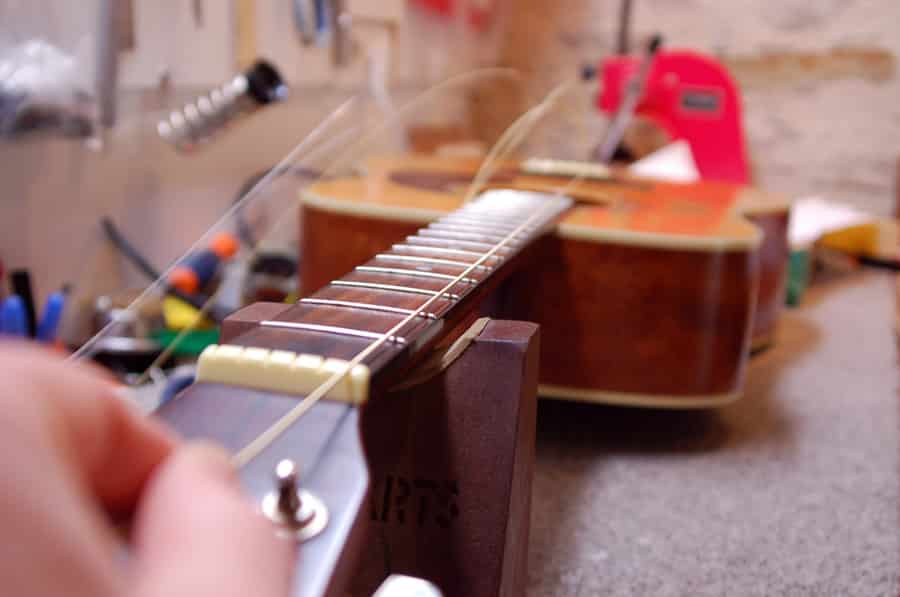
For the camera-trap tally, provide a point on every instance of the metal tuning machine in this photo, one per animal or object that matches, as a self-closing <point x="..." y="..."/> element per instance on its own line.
<point x="298" y="512"/>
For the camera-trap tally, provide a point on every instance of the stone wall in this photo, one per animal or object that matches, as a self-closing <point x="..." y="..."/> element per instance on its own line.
<point x="819" y="81"/>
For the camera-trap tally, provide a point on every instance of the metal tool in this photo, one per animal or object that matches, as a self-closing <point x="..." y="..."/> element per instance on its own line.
<point x="622" y="44"/>
<point x="107" y="73"/>
<point x="318" y="21"/>
<point x="199" y="13"/>
<point x="306" y="20"/>
<point x="633" y="94"/>
<point x="200" y="119"/>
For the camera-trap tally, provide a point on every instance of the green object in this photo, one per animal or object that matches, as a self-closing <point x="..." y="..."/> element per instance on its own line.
<point x="191" y="344"/>
<point x="798" y="276"/>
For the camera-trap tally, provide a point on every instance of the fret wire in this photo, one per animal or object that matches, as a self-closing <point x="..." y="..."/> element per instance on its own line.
<point x="431" y="260"/>
<point x="394" y="288"/>
<point x="462" y="235"/>
<point x="499" y="218"/>
<point x="364" y="306"/>
<point x="462" y="217"/>
<point x="484" y="216"/>
<point x="461" y="228"/>
<point x="514" y="203"/>
<point x="460" y="252"/>
<point x="329" y="329"/>
<point x="434" y="239"/>
<point x="518" y="211"/>
<point x="458" y="235"/>
<point x="409" y="272"/>
<point x="264" y="439"/>
<point x="453" y="221"/>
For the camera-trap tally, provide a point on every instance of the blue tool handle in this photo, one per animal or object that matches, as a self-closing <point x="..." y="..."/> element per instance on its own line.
<point x="205" y="263"/>
<point x="49" y="324"/>
<point x="13" y="319"/>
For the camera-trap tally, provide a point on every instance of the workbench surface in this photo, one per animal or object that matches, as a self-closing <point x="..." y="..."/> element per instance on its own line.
<point x="792" y="491"/>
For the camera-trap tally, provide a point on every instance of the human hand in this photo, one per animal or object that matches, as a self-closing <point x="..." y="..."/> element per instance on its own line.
<point x="73" y="456"/>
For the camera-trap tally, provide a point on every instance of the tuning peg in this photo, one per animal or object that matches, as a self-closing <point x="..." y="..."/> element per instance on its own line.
<point x="296" y="510"/>
<point x="290" y="504"/>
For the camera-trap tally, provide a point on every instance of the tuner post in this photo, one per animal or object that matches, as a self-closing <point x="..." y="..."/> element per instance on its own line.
<point x="290" y="504"/>
<point x="296" y="511"/>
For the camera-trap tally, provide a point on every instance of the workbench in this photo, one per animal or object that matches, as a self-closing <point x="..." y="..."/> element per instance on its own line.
<point x="792" y="490"/>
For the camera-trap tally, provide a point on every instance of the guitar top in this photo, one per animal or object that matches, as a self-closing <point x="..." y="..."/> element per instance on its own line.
<point x="701" y="216"/>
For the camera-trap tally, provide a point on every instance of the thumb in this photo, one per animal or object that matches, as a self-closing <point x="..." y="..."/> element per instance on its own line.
<point x="197" y="534"/>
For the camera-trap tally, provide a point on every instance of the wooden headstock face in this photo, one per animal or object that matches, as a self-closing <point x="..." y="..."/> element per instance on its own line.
<point x="325" y="445"/>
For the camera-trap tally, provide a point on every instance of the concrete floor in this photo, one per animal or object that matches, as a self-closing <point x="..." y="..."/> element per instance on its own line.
<point x="791" y="491"/>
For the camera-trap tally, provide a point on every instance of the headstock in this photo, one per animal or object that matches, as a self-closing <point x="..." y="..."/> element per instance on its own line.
<point x="325" y="445"/>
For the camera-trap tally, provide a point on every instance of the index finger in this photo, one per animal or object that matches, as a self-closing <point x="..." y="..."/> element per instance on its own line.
<point x="110" y="446"/>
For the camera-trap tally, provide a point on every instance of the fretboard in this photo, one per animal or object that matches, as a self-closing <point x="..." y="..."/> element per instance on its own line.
<point x="424" y="284"/>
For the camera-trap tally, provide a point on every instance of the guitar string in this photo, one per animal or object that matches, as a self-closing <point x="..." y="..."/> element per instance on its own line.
<point x="513" y="135"/>
<point x="367" y="134"/>
<point x="308" y="143"/>
<point x="267" y="437"/>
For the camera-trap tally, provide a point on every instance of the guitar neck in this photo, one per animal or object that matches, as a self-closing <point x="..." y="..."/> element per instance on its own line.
<point x="418" y="291"/>
<point x="385" y="314"/>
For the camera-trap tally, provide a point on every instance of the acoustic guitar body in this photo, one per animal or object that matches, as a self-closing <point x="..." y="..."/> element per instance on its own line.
<point x="648" y="293"/>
